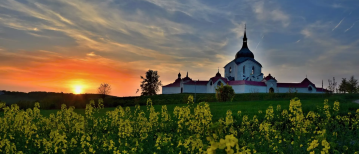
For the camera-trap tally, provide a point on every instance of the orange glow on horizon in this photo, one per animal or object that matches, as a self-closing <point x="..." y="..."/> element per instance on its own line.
<point x="68" y="75"/>
<point x="78" y="89"/>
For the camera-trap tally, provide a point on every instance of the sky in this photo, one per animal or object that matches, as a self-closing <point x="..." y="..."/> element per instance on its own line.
<point x="63" y="45"/>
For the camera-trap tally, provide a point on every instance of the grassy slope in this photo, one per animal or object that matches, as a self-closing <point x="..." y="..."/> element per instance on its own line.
<point x="250" y="108"/>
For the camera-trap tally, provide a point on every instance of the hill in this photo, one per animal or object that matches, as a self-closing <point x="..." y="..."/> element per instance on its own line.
<point x="52" y="100"/>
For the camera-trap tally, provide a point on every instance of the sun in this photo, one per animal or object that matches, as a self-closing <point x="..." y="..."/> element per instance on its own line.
<point x="78" y="89"/>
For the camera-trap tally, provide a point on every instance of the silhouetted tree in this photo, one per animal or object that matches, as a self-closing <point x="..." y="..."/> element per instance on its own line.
<point x="151" y="84"/>
<point x="332" y="85"/>
<point x="104" y="89"/>
<point x="352" y="85"/>
<point x="343" y="85"/>
<point x="349" y="86"/>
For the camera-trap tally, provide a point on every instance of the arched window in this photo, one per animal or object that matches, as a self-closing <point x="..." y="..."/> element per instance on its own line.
<point x="310" y="88"/>
<point x="211" y="83"/>
<point x="253" y="70"/>
<point x="244" y="69"/>
<point x="219" y="83"/>
<point x="230" y="69"/>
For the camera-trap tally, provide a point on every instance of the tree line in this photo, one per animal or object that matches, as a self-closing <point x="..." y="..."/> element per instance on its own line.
<point x="346" y="85"/>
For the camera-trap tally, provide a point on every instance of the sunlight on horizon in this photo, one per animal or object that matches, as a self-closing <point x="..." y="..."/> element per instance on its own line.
<point x="78" y="86"/>
<point x="78" y="89"/>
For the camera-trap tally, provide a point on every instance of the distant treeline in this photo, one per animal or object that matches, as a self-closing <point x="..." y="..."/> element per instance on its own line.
<point x="52" y="100"/>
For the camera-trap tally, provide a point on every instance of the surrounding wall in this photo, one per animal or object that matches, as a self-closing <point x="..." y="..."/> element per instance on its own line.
<point x="195" y="88"/>
<point x="171" y="90"/>
<point x="249" y="89"/>
<point x="299" y="90"/>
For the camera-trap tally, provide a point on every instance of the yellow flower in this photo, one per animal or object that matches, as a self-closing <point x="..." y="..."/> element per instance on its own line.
<point x="313" y="145"/>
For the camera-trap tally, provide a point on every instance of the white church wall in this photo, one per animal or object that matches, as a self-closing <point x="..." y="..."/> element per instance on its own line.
<point x="195" y="88"/>
<point x="238" y="88"/>
<point x="255" y="89"/>
<point x="271" y="84"/>
<point x="248" y="65"/>
<point x="210" y="87"/>
<point x="299" y="90"/>
<point x="171" y="90"/>
<point x="232" y="66"/>
<point x="248" y="89"/>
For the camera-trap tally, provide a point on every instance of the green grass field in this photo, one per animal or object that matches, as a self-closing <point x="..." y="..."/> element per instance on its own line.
<point x="219" y="109"/>
<point x="274" y="132"/>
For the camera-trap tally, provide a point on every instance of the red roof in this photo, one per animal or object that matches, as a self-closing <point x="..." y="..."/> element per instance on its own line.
<point x="197" y="83"/>
<point x="269" y="77"/>
<point x="177" y="83"/>
<point x="306" y="81"/>
<point x="304" y="84"/>
<point x="214" y="79"/>
<point x="244" y="82"/>
<point x="292" y="85"/>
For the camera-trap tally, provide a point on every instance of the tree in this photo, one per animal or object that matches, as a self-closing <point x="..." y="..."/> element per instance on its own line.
<point x="104" y="89"/>
<point x="332" y="85"/>
<point x="151" y="84"/>
<point x="224" y="93"/>
<point x="349" y="86"/>
<point x="343" y="85"/>
<point x="352" y="85"/>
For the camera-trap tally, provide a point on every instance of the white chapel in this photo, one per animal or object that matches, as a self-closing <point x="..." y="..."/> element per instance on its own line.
<point x="244" y="74"/>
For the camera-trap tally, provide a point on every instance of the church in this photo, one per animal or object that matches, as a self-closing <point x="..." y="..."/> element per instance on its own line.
<point x="244" y="74"/>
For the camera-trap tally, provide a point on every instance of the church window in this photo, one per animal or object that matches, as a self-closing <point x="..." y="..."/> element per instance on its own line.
<point x="210" y="83"/>
<point x="310" y="88"/>
<point x="219" y="83"/>
<point x="244" y="69"/>
<point x="253" y="70"/>
<point x="230" y="69"/>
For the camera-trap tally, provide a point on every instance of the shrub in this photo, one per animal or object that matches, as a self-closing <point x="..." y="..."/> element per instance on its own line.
<point x="224" y="93"/>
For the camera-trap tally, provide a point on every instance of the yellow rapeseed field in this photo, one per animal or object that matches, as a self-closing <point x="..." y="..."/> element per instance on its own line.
<point x="189" y="129"/>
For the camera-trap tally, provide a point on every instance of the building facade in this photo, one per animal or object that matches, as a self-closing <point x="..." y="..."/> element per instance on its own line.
<point x="244" y="74"/>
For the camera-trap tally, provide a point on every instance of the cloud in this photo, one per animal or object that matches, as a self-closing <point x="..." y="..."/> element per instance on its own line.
<point x="351" y="26"/>
<point x="306" y="33"/>
<point x="270" y="13"/>
<point x="338" y="24"/>
<point x="259" y="42"/>
<point x="92" y="54"/>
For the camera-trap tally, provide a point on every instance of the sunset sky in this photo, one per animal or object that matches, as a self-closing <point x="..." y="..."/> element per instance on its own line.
<point x="62" y="45"/>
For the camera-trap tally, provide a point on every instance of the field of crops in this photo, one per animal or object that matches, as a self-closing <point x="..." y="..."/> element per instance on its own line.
<point x="188" y="129"/>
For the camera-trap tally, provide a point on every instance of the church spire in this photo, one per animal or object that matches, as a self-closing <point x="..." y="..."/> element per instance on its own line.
<point x="245" y="38"/>
<point x="187" y="74"/>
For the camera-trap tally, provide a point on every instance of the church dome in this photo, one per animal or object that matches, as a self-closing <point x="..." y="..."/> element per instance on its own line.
<point x="244" y="52"/>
